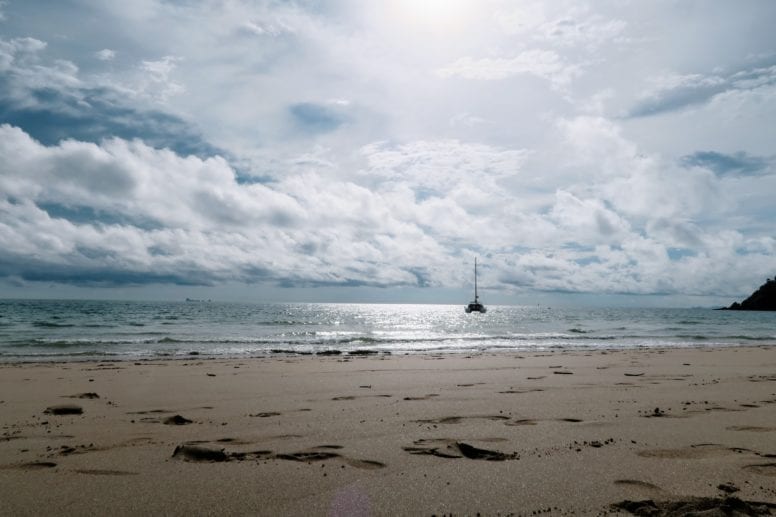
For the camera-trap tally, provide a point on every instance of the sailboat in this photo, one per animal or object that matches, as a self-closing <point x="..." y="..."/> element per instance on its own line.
<point x="475" y="306"/>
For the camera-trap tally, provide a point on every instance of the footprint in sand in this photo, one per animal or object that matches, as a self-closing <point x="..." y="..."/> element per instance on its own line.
<point x="764" y="469"/>
<point x="364" y="464"/>
<point x="88" y="395"/>
<point x="177" y="420"/>
<point x="104" y="472"/>
<point x="317" y="455"/>
<point x="447" y="448"/>
<point x="197" y="453"/>
<point x="459" y="419"/>
<point x="524" y="421"/>
<point x="353" y="397"/>
<point x="150" y="411"/>
<point x="307" y="456"/>
<point x="751" y="428"/>
<point x="635" y="483"/>
<point x="36" y="465"/>
<point x="67" y="409"/>
<point x="693" y="452"/>
<point x="424" y="397"/>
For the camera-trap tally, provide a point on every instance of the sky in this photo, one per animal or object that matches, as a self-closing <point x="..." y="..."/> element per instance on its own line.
<point x="601" y="152"/>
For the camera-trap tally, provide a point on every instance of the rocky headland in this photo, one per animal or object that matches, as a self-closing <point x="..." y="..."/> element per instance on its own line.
<point x="764" y="299"/>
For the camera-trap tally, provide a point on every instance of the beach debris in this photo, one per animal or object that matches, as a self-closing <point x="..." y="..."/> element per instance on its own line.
<point x="627" y="374"/>
<point x="66" y="409"/>
<point x="563" y="372"/>
<point x="695" y="506"/>
<point x="657" y="412"/>
<point x="176" y="420"/>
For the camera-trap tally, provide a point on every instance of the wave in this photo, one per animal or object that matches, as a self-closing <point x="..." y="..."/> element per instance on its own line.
<point x="51" y="324"/>
<point x="39" y="343"/>
<point x="312" y="339"/>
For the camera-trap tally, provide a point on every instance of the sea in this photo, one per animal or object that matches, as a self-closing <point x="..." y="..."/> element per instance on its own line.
<point x="67" y="330"/>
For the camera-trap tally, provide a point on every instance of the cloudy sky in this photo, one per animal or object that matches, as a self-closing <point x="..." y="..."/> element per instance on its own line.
<point x="348" y="150"/>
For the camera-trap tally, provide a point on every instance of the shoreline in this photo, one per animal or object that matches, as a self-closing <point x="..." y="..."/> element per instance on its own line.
<point x="573" y="431"/>
<point x="367" y="352"/>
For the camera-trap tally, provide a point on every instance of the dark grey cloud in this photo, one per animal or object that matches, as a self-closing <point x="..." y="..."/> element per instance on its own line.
<point x="739" y="163"/>
<point x="93" y="114"/>
<point x="110" y="278"/>
<point x="697" y="89"/>
<point x="80" y="214"/>
<point x="91" y="273"/>
<point x="316" y="118"/>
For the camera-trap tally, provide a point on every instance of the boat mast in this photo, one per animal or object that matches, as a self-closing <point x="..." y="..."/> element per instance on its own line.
<point x="476" y="298"/>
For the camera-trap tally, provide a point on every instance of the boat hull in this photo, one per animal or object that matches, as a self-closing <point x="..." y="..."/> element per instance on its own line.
<point x="475" y="307"/>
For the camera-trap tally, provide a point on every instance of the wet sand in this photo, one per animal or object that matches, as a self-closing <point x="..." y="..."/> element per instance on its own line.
<point x="553" y="433"/>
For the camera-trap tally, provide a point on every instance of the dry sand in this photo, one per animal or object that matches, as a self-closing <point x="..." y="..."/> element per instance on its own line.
<point x="556" y="433"/>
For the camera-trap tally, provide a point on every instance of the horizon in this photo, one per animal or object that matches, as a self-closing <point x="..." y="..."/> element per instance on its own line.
<point x="389" y="297"/>
<point x="591" y="154"/>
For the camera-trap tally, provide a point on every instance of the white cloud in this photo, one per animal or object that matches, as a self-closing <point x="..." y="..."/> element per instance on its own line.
<point x="105" y="54"/>
<point x="264" y="28"/>
<point x="672" y="92"/>
<point x="413" y="144"/>
<point x="562" y="24"/>
<point x="18" y="49"/>
<point x="541" y="63"/>
<point x="156" y="79"/>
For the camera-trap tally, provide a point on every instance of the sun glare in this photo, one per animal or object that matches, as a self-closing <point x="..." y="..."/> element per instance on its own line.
<point x="434" y="15"/>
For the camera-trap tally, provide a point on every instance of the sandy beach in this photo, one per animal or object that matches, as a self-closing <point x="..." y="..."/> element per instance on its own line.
<point x="552" y="433"/>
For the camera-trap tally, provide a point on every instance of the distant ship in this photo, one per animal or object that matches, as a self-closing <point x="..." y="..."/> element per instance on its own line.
<point x="475" y="306"/>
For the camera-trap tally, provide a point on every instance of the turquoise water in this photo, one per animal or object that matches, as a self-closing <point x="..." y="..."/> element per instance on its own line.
<point x="45" y="330"/>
